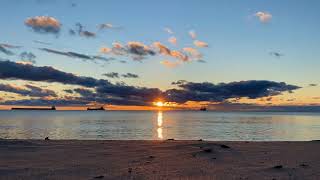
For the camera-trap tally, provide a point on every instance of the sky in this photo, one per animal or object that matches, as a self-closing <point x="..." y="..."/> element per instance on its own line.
<point x="183" y="53"/>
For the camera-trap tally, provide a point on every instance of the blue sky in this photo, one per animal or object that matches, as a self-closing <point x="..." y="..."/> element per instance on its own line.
<point x="239" y="43"/>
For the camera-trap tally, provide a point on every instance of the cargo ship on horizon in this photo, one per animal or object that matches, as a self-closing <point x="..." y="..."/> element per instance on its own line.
<point x="52" y="108"/>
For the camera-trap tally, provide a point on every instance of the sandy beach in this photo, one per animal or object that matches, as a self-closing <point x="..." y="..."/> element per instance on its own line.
<point x="170" y="159"/>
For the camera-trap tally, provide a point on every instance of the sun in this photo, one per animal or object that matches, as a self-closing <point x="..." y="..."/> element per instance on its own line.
<point x="159" y="104"/>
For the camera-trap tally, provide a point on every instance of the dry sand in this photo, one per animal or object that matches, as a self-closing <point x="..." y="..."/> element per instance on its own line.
<point x="73" y="159"/>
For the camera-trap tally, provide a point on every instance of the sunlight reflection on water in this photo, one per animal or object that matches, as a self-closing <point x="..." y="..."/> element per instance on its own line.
<point x="159" y="125"/>
<point x="159" y="121"/>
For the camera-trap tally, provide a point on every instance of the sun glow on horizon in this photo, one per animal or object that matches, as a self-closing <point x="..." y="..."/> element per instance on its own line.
<point x="159" y="103"/>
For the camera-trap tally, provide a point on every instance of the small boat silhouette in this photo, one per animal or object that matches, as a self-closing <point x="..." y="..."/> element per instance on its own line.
<point x="96" y="108"/>
<point x="203" y="109"/>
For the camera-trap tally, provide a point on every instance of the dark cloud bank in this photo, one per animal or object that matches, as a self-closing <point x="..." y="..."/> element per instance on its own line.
<point x="103" y="91"/>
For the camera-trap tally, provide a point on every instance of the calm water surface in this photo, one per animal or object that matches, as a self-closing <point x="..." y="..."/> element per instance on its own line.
<point x="264" y="126"/>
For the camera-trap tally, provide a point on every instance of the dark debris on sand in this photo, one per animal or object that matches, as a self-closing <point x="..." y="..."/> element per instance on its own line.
<point x="99" y="177"/>
<point x="278" y="167"/>
<point x="224" y="146"/>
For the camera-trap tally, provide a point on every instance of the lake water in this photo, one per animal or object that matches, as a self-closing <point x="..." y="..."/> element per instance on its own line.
<point x="146" y="125"/>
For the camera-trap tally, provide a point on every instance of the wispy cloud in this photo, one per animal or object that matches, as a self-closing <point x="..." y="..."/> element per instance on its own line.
<point x="276" y="54"/>
<point x="193" y="53"/>
<point x="109" y="26"/>
<point x="264" y="17"/>
<point x="79" y="29"/>
<point x="162" y="49"/>
<point x="200" y="43"/>
<point x="173" y="40"/>
<point x="111" y="75"/>
<point x="28" y="57"/>
<point x="130" y="75"/>
<point x="192" y="34"/>
<point x="136" y="50"/>
<point x="27" y="90"/>
<point x="6" y="51"/>
<point x="10" y="46"/>
<point x="41" y="42"/>
<point x="4" y="48"/>
<point x="168" y="30"/>
<point x="170" y="64"/>
<point x="75" y="55"/>
<point x="179" y="55"/>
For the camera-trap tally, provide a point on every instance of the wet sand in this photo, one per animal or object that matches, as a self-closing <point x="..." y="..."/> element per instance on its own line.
<point x="75" y="159"/>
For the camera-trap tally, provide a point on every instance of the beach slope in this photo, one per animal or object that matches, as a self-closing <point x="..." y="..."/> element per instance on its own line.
<point x="78" y="159"/>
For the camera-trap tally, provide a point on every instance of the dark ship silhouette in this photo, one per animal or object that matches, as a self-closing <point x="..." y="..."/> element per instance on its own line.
<point x="96" y="108"/>
<point x="203" y="109"/>
<point x="34" y="108"/>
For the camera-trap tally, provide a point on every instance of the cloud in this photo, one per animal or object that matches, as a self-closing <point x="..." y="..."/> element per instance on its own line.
<point x="193" y="53"/>
<point x="88" y="34"/>
<point x="109" y="26"/>
<point x="11" y="70"/>
<point x="10" y="46"/>
<point x="69" y="91"/>
<point x="130" y="75"/>
<point x="173" y="40"/>
<point x="117" y="75"/>
<point x="72" y="32"/>
<point x="40" y="92"/>
<point x="168" y="30"/>
<point x="264" y="17"/>
<point x="200" y="43"/>
<point x="179" y="55"/>
<point x="252" y="89"/>
<point x="118" y="49"/>
<point x="41" y="42"/>
<point x="139" y="49"/>
<point x="4" y="48"/>
<point x="105" y="50"/>
<point x="28" y="57"/>
<point x="75" y="55"/>
<point x="6" y="51"/>
<point x="192" y="34"/>
<point x="43" y="24"/>
<point x="276" y="54"/>
<point x="162" y="48"/>
<point x="111" y="75"/>
<point x="133" y="49"/>
<point x="170" y="64"/>
<point x="79" y="29"/>
<point x="103" y="91"/>
<point x="28" y="90"/>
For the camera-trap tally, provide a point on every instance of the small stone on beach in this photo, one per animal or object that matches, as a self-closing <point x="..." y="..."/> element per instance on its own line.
<point x="99" y="177"/>
<point x="171" y="139"/>
<point x="278" y="167"/>
<point x="208" y="150"/>
<point x="304" y="165"/>
<point x="224" y="146"/>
